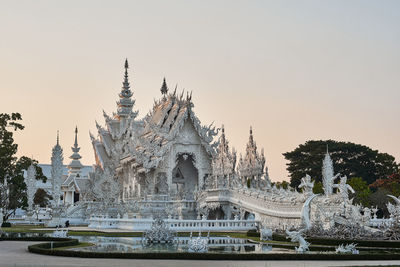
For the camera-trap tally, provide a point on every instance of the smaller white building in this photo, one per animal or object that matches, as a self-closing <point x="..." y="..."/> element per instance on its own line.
<point x="64" y="182"/>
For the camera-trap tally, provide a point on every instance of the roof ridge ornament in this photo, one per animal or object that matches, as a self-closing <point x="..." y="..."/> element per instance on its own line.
<point x="164" y="88"/>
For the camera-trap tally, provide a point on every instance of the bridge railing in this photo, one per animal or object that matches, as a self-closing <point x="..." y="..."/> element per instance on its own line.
<point x="177" y="225"/>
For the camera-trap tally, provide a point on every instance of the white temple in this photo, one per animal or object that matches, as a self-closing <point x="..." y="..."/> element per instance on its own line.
<point x="169" y="164"/>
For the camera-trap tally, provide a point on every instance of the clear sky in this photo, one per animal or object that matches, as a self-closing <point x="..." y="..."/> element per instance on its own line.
<point x="294" y="70"/>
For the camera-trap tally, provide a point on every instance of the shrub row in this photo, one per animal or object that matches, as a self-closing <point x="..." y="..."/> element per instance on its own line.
<point x="44" y="249"/>
<point x="6" y="224"/>
<point x="253" y="233"/>
<point x="34" y="238"/>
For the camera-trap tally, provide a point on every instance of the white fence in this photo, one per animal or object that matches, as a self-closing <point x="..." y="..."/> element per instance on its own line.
<point x="177" y="225"/>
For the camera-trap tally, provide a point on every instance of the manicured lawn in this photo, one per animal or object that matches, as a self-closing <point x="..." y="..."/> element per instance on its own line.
<point x="25" y="229"/>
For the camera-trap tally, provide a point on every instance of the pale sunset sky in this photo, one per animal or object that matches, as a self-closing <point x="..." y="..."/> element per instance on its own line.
<point x="294" y="70"/>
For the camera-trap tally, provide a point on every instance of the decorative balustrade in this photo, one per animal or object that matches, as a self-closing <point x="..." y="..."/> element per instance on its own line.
<point x="176" y="225"/>
<point x="256" y="202"/>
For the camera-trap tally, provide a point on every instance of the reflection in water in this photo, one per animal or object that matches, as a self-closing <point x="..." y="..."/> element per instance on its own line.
<point x="134" y="244"/>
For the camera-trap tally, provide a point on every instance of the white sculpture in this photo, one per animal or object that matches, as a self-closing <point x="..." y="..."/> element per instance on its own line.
<point x="266" y="234"/>
<point x="159" y="233"/>
<point x="297" y="236"/>
<point x="344" y="188"/>
<point x="307" y="185"/>
<point x="328" y="176"/>
<point x="60" y="233"/>
<point x="198" y="244"/>
<point x="305" y="213"/>
<point x="347" y="249"/>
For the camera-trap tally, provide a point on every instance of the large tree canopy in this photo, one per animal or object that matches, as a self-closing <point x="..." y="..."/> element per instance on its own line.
<point x="12" y="168"/>
<point x="348" y="159"/>
<point x="42" y="198"/>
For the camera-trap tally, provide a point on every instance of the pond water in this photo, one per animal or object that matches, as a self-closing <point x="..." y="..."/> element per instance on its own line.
<point x="135" y="244"/>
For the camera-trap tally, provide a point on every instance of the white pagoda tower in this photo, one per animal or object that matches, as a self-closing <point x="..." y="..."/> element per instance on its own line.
<point x="57" y="171"/>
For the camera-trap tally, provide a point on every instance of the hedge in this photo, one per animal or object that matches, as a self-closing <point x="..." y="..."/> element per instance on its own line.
<point x="6" y="224"/>
<point x="45" y="250"/>
<point x="36" y="238"/>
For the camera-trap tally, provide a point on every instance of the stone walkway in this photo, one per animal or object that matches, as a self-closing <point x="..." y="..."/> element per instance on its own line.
<point x="14" y="253"/>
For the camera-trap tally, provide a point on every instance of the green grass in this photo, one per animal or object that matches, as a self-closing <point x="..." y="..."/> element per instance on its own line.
<point x="25" y="229"/>
<point x="94" y="233"/>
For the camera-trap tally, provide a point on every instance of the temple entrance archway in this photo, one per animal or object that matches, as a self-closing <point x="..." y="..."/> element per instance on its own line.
<point x="185" y="175"/>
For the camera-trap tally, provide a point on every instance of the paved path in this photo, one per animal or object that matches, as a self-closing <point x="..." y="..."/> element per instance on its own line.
<point x="14" y="253"/>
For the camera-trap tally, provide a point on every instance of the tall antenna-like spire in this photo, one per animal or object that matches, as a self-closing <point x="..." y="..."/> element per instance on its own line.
<point x="164" y="88"/>
<point x="58" y="138"/>
<point x="251" y="135"/>
<point x="125" y="84"/>
<point x="76" y="137"/>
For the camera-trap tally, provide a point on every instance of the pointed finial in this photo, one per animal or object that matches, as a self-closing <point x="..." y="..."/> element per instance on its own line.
<point x="223" y="129"/>
<point x="251" y="141"/>
<point x="126" y="64"/>
<point x="76" y="136"/>
<point x="58" y="138"/>
<point x="125" y="83"/>
<point x="327" y="149"/>
<point x="164" y="88"/>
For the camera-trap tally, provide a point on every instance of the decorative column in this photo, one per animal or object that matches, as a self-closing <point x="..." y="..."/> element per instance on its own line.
<point x="30" y="185"/>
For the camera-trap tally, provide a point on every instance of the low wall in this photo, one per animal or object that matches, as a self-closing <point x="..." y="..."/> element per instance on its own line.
<point x="177" y="225"/>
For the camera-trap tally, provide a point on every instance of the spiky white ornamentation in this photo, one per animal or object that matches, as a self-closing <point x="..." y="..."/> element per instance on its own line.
<point x="30" y="181"/>
<point x="251" y="167"/>
<point x="223" y="165"/>
<point x="328" y="177"/>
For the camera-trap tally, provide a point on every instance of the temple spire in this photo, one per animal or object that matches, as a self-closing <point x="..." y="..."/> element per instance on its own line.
<point x="164" y="88"/>
<point x="251" y="140"/>
<point x="75" y="165"/>
<point x="125" y="102"/>
<point x="126" y="84"/>
<point x="57" y="171"/>
<point x="76" y="139"/>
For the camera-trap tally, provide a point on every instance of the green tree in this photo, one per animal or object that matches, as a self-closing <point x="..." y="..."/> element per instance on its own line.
<point x="362" y="192"/>
<point x="348" y="158"/>
<point x="380" y="199"/>
<point x="390" y="183"/>
<point x="41" y="198"/>
<point x="12" y="168"/>
<point x="283" y="184"/>
<point x="318" y="188"/>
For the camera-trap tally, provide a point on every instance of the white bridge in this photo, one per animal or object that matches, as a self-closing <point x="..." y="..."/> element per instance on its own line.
<point x="275" y="211"/>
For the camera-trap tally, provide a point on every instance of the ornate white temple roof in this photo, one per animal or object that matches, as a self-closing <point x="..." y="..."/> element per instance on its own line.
<point x="225" y="160"/>
<point x="253" y="162"/>
<point x="146" y="141"/>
